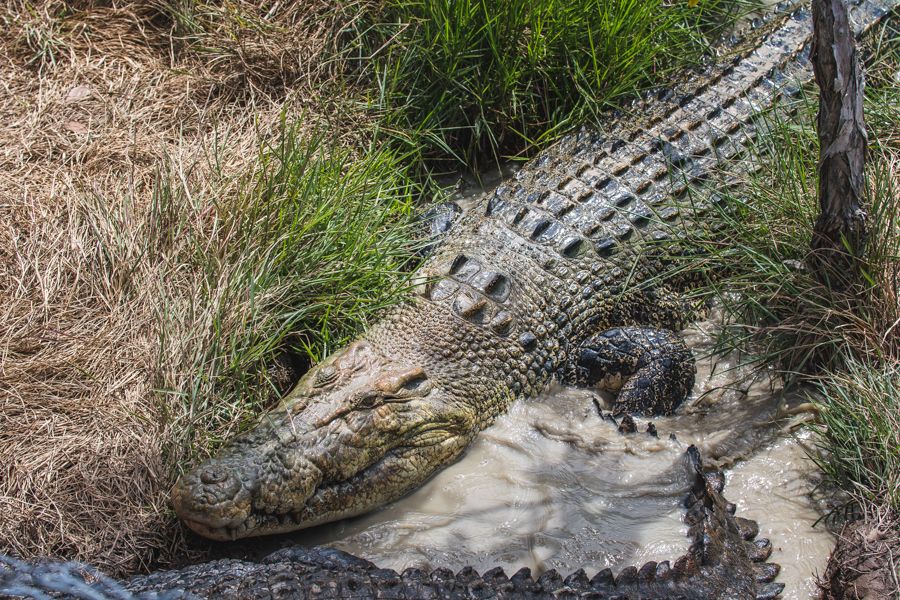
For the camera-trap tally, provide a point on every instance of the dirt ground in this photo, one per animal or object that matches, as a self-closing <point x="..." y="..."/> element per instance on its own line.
<point x="865" y="563"/>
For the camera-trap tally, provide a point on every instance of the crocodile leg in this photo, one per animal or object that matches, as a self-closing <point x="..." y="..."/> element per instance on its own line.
<point x="651" y="369"/>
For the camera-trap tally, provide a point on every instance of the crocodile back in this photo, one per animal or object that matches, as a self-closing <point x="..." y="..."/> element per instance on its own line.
<point x="584" y="236"/>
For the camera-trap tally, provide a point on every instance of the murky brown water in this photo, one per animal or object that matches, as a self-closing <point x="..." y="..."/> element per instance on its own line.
<point x="553" y="485"/>
<point x="774" y="487"/>
<point x="549" y="485"/>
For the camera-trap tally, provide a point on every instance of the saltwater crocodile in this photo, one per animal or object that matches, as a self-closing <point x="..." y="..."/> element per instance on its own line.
<point x="724" y="561"/>
<point x="570" y="270"/>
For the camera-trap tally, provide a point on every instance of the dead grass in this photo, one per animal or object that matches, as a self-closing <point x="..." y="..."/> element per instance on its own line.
<point x="261" y="46"/>
<point x="98" y="111"/>
<point x="866" y="561"/>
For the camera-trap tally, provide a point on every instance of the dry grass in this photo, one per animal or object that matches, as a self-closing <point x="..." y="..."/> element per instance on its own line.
<point x="100" y="112"/>
<point x="866" y="561"/>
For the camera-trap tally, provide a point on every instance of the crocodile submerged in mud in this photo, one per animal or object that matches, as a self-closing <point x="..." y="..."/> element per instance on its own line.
<point x="570" y="271"/>
<point x="725" y="560"/>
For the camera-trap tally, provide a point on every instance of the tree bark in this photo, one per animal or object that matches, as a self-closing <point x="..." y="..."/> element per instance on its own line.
<point x="839" y="235"/>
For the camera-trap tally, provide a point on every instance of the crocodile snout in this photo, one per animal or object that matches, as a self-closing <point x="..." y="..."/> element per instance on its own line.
<point x="360" y="429"/>
<point x="215" y="496"/>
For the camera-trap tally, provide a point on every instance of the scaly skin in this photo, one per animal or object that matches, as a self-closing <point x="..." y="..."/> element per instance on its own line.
<point x="579" y="243"/>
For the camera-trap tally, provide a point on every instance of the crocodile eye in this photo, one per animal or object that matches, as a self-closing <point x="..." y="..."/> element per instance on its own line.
<point x="369" y="399"/>
<point x="325" y="376"/>
<point x="402" y="383"/>
<point x="415" y="382"/>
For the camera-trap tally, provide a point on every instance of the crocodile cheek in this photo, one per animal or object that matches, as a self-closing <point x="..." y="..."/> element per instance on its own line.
<point x="287" y="483"/>
<point x="395" y="425"/>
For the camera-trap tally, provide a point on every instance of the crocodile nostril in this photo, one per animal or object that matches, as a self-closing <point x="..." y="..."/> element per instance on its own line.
<point x="212" y="475"/>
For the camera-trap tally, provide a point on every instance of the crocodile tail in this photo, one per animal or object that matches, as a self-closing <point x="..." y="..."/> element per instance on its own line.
<point x="725" y="559"/>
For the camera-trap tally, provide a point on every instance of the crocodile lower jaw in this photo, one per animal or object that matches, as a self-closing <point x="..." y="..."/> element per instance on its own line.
<point x="260" y="523"/>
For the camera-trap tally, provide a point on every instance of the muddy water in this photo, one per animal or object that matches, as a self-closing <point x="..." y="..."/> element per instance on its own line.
<point x="549" y="485"/>
<point x="554" y="485"/>
<point x="774" y="487"/>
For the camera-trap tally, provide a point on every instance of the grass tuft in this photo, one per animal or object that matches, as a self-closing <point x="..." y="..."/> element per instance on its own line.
<point x="314" y="243"/>
<point x="472" y="80"/>
<point x="859" y="433"/>
<point x="35" y="30"/>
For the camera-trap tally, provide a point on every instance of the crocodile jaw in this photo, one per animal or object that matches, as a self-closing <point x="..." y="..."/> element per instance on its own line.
<point x="359" y="430"/>
<point x="384" y="481"/>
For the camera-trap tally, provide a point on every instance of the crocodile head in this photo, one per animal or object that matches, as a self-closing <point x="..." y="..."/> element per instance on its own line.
<point x="359" y="430"/>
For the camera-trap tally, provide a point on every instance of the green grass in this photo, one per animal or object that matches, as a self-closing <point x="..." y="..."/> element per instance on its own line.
<point x="782" y="313"/>
<point x="844" y="343"/>
<point x="471" y="80"/>
<point x="859" y="432"/>
<point x="38" y="31"/>
<point x="311" y="245"/>
<point x="455" y="83"/>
